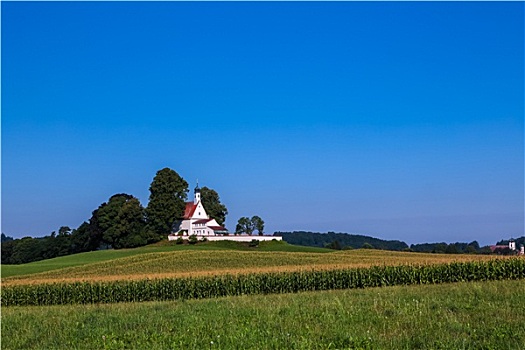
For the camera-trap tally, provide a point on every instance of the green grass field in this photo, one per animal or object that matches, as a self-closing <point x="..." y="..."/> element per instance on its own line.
<point x="475" y="315"/>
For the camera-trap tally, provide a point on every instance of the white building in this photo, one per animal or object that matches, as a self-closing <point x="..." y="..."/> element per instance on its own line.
<point x="196" y="221"/>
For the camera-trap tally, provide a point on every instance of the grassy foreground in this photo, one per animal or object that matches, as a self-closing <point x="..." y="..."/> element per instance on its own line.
<point x="473" y="315"/>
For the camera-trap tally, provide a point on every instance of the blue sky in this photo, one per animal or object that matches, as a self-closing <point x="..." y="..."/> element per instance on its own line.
<point x="396" y="120"/>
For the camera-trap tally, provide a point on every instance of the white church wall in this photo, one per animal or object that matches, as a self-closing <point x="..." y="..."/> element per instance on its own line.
<point x="199" y="212"/>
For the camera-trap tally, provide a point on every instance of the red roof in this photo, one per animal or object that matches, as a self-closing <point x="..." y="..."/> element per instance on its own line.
<point x="217" y="228"/>
<point x="189" y="210"/>
<point x="202" y="221"/>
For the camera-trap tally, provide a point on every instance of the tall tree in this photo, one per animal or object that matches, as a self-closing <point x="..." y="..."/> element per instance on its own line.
<point x="211" y="201"/>
<point x="258" y="224"/>
<point x="168" y="192"/>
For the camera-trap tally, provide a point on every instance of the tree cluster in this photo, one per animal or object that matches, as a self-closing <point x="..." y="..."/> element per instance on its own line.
<point x="248" y="226"/>
<point x="450" y="248"/>
<point x="121" y="222"/>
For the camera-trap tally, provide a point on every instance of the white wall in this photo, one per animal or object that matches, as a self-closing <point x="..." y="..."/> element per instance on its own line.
<point x="233" y="238"/>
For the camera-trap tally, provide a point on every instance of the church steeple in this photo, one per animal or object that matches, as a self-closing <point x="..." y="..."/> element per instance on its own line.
<point x="197" y="194"/>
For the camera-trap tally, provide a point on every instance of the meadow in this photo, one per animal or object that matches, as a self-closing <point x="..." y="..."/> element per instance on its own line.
<point x="465" y="315"/>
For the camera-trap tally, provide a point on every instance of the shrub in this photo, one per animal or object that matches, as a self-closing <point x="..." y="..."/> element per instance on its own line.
<point x="179" y="240"/>
<point x="193" y="239"/>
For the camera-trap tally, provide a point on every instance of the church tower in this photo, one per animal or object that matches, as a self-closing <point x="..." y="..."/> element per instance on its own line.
<point x="197" y="194"/>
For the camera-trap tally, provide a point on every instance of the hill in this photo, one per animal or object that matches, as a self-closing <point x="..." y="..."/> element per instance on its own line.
<point x="206" y="259"/>
<point x="316" y="239"/>
<point x="82" y="259"/>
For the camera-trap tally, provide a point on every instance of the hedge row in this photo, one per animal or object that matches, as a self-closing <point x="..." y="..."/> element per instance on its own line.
<point x="262" y="283"/>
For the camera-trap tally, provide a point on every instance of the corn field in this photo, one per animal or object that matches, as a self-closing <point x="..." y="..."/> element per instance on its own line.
<point x="184" y="264"/>
<point x="258" y="283"/>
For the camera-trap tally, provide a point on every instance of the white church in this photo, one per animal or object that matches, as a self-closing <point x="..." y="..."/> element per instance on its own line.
<point x="197" y="222"/>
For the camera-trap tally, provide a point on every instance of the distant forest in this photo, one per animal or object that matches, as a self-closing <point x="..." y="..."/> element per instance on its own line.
<point x="339" y="240"/>
<point x="334" y="240"/>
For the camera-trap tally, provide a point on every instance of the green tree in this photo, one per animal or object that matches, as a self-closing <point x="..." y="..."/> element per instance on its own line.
<point x="258" y="224"/>
<point x="211" y="201"/>
<point x="168" y="192"/>
<point x="130" y="225"/>
<point x="120" y="222"/>
<point x="334" y="245"/>
<point x="8" y="248"/>
<point x="62" y="242"/>
<point x="6" y="238"/>
<point x="244" y="225"/>
<point x="26" y="250"/>
<point x="451" y="249"/>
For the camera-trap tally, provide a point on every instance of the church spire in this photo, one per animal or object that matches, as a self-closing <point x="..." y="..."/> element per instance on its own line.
<point x="197" y="193"/>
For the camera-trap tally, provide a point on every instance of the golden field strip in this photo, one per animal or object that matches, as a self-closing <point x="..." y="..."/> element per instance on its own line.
<point x="179" y="263"/>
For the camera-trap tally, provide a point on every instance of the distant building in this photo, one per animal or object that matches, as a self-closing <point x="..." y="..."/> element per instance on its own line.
<point x="511" y="246"/>
<point x="522" y="250"/>
<point x="195" y="220"/>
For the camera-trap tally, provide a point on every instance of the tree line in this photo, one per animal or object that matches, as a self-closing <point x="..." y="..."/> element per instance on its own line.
<point x="121" y="222"/>
<point x="339" y="241"/>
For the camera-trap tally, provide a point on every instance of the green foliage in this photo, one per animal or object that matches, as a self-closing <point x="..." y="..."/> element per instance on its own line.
<point x="248" y="226"/>
<point x="258" y="283"/>
<point x="121" y="221"/>
<point x="5" y="238"/>
<point x="168" y="192"/>
<point x="193" y="239"/>
<point x="316" y="239"/>
<point x="244" y="225"/>
<point x="212" y="203"/>
<point x="23" y="250"/>
<point x="179" y="240"/>
<point x="334" y="245"/>
<point x="258" y="224"/>
<point x="519" y="241"/>
<point x="451" y="248"/>
<point x="367" y="246"/>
